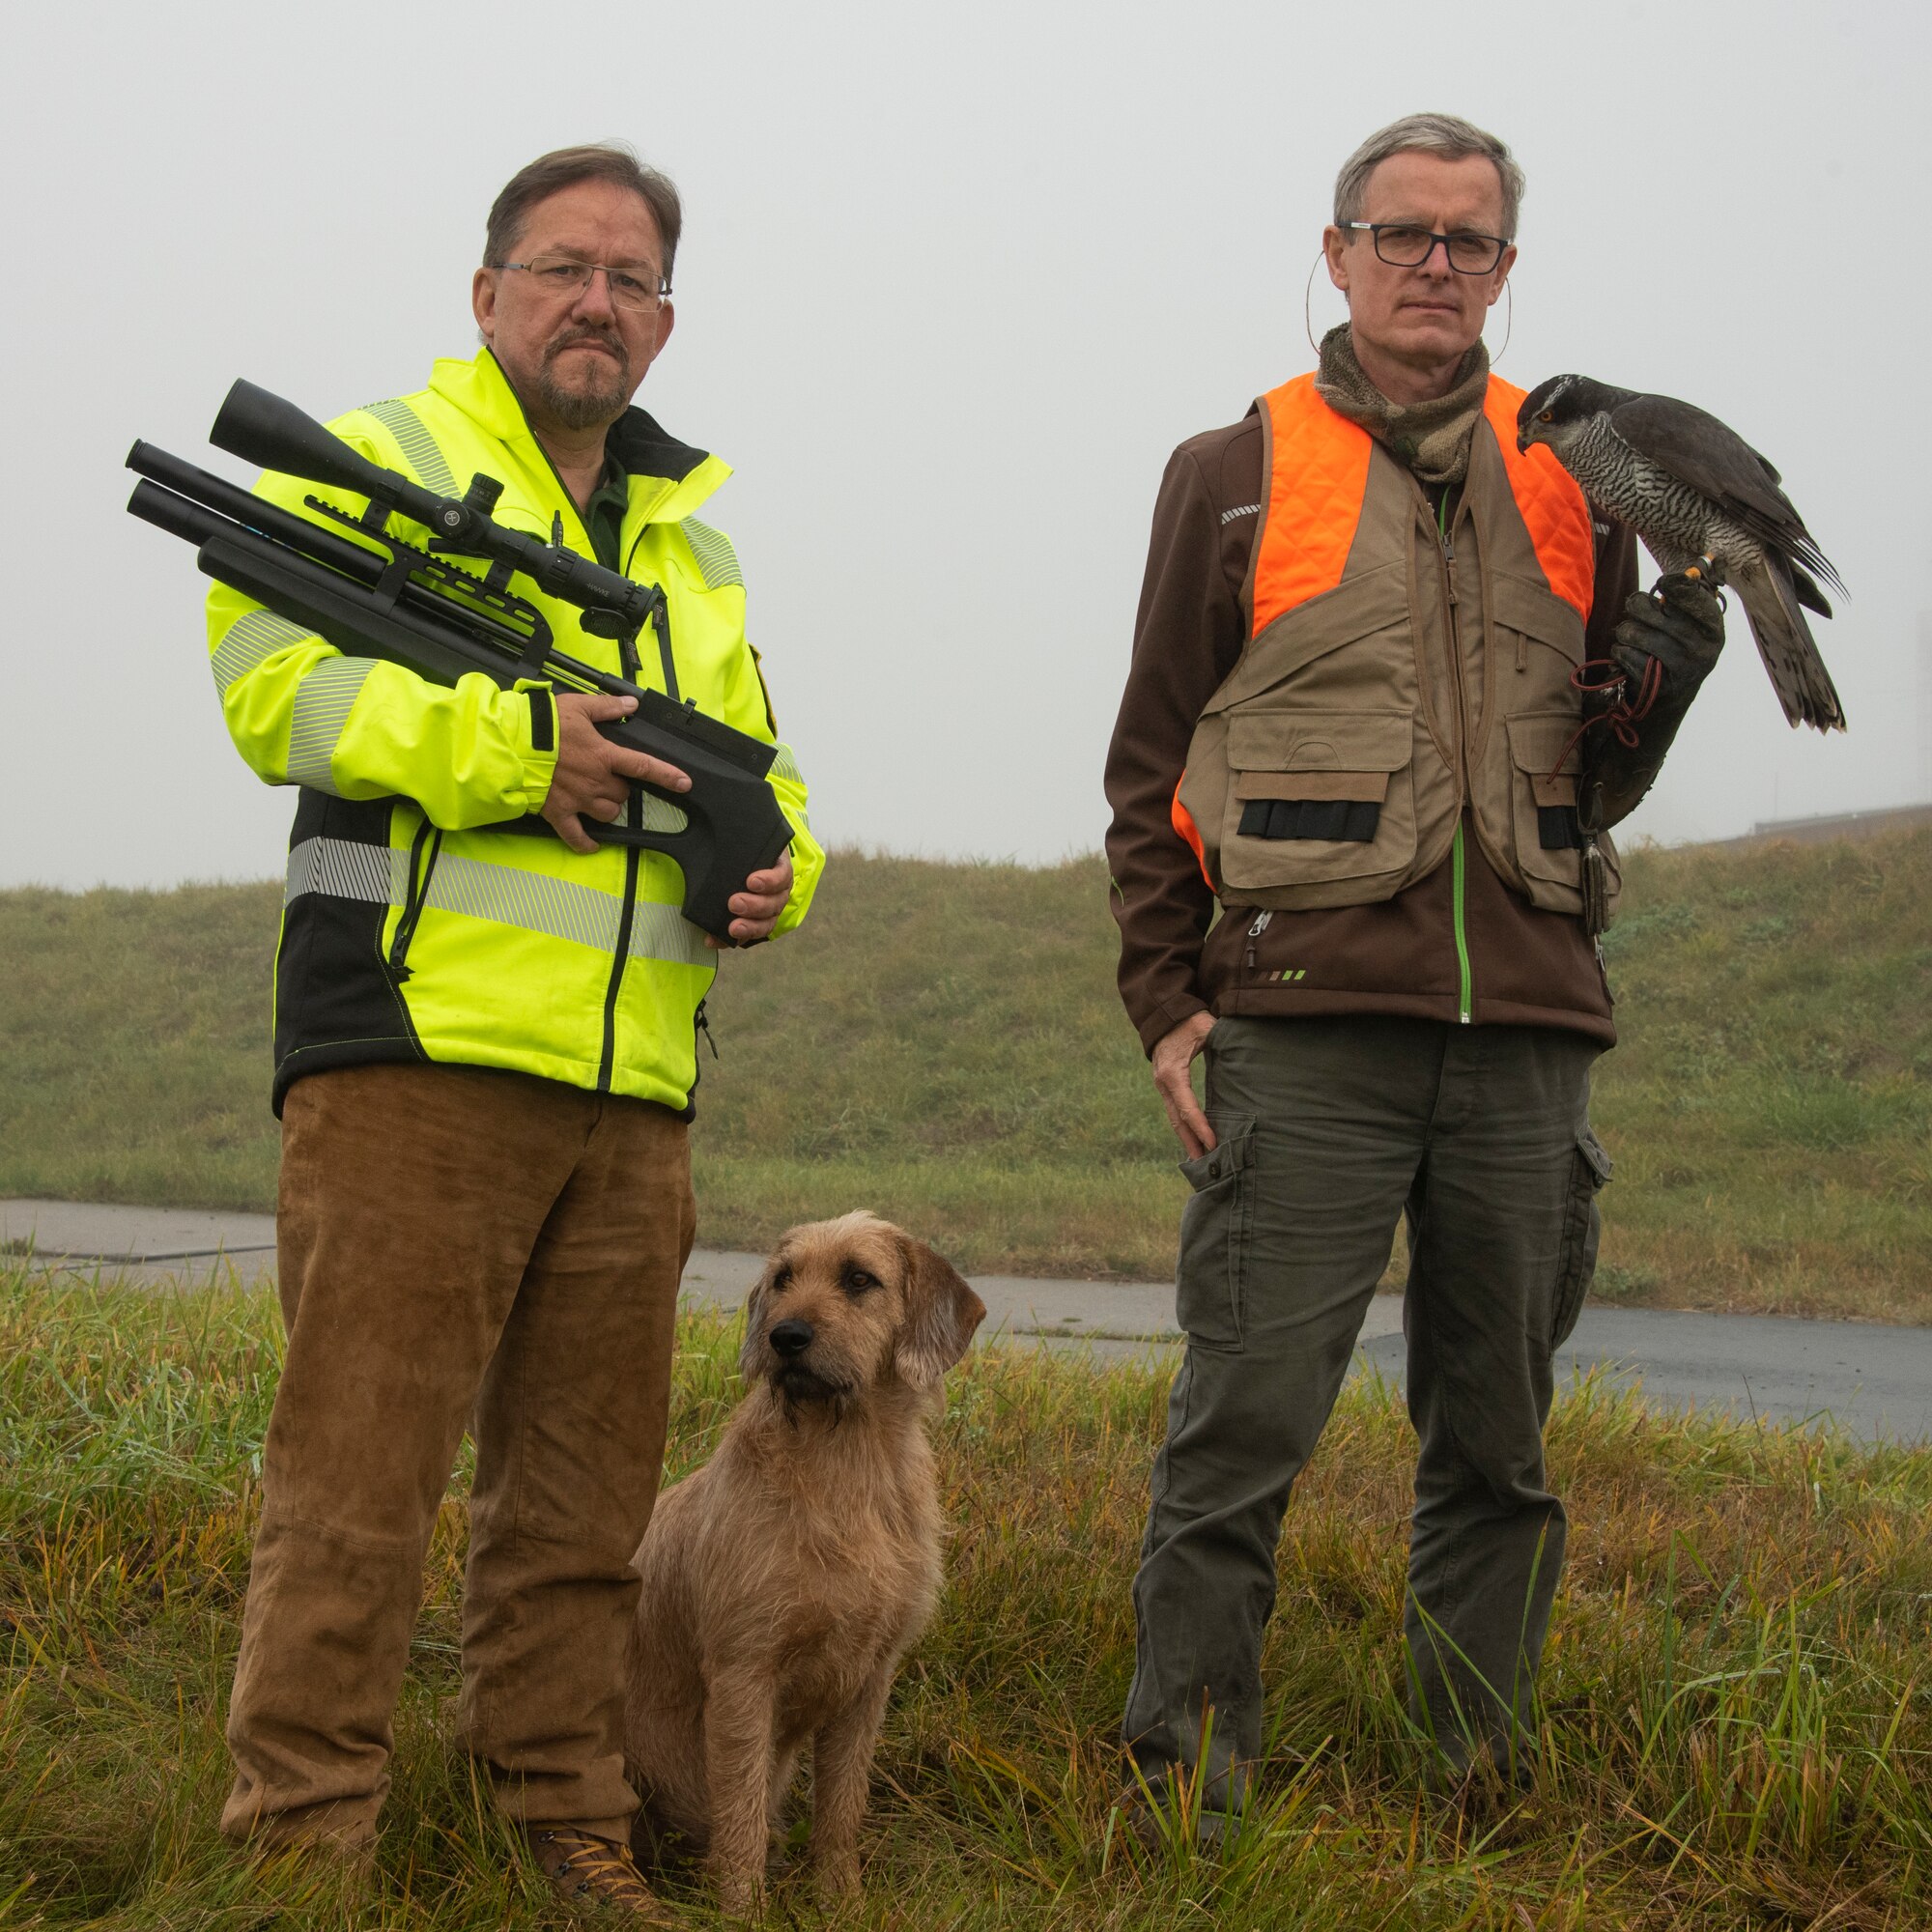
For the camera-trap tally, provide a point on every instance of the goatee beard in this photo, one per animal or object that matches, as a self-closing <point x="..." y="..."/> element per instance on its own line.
<point x="584" y="409"/>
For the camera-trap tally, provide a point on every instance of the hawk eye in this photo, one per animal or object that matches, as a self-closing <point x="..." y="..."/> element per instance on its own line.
<point x="1547" y="415"/>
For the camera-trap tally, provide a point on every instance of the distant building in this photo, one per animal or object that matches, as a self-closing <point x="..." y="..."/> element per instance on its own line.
<point x="1834" y="825"/>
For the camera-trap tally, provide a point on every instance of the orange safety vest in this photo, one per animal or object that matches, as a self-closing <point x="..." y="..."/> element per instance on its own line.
<point x="1397" y="674"/>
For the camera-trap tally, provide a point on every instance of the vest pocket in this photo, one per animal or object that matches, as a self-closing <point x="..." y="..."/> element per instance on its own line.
<point x="1317" y="795"/>
<point x="1547" y="755"/>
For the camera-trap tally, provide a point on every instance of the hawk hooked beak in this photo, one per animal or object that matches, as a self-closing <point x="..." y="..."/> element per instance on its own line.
<point x="1522" y="443"/>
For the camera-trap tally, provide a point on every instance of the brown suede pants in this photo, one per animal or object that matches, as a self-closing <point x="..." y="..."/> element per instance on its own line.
<point x="458" y="1245"/>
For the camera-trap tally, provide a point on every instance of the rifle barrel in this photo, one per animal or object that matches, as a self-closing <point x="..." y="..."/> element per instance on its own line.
<point x="252" y="513"/>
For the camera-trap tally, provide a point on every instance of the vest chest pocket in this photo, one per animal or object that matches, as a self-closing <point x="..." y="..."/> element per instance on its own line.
<point x="1317" y="796"/>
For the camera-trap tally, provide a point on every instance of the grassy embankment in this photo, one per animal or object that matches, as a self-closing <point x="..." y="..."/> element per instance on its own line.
<point x="942" y="1043"/>
<point x="1735" y="1727"/>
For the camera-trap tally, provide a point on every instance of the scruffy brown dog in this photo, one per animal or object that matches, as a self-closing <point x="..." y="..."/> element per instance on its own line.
<point x="786" y="1578"/>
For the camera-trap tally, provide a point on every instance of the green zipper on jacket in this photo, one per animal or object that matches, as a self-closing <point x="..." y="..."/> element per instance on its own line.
<point x="1456" y="874"/>
<point x="1458" y="857"/>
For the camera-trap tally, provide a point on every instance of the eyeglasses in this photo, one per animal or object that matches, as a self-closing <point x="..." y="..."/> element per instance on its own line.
<point x="1402" y="247"/>
<point x="560" y="276"/>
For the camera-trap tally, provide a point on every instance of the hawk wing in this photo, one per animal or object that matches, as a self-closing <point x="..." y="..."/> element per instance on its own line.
<point x="1693" y="445"/>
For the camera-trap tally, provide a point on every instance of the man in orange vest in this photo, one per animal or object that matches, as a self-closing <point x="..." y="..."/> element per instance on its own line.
<point x="1370" y="634"/>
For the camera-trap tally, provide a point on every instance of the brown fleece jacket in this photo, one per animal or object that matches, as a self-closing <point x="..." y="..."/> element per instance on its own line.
<point x="1526" y="967"/>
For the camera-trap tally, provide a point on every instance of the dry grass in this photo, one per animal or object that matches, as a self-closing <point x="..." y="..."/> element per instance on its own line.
<point x="1735" y="1724"/>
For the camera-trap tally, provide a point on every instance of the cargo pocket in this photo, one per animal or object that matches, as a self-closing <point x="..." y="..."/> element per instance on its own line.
<point x="1317" y="796"/>
<point x="1215" y="1228"/>
<point x="1582" y="1225"/>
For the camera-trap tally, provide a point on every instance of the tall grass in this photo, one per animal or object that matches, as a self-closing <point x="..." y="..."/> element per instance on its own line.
<point x="1734" y="1723"/>
<point x="943" y="1042"/>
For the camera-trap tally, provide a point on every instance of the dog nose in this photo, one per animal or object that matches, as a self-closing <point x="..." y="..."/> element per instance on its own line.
<point x="790" y="1338"/>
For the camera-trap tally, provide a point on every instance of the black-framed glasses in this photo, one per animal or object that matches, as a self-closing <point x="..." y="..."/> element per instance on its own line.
<point x="562" y="275"/>
<point x="1403" y="246"/>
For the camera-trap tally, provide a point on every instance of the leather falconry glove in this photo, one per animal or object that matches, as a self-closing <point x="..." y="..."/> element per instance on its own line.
<point x="1666" y="646"/>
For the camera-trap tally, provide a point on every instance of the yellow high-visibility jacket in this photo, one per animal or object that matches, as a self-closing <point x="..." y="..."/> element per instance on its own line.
<point x="427" y="917"/>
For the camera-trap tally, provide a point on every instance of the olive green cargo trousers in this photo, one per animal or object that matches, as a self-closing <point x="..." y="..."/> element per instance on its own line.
<point x="458" y="1246"/>
<point x="1329" y="1129"/>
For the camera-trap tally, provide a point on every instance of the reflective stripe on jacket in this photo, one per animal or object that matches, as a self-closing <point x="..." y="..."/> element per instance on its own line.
<point x="426" y="915"/>
<point x="1397" y="674"/>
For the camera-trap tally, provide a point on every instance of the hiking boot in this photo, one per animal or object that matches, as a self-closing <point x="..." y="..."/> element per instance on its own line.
<point x="594" y="1874"/>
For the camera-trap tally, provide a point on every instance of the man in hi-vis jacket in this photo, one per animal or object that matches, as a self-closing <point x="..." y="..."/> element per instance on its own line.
<point x="484" y="1064"/>
<point x="1354" y="719"/>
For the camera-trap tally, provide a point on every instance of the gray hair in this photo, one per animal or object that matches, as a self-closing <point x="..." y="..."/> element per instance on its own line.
<point x="610" y="161"/>
<point x="1444" y="134"/>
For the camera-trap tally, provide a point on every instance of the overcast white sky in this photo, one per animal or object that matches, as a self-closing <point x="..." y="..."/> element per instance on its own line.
<point x="955" y="281"/>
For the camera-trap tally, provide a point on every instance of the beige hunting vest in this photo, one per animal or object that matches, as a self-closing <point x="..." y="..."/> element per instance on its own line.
<point x="1397" y="674"/>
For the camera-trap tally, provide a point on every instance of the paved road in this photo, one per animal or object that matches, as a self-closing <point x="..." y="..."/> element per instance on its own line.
<point x="1873" y="1382"/>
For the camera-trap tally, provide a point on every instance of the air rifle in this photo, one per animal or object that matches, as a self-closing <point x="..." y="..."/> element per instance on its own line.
<point x="371" y="594"/>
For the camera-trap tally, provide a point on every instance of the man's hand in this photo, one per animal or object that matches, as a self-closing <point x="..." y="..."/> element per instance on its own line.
<point x="1171" y="1058"/>
<point x="757" y="907"/>
<point x="1681" y="624"/>
<point x="593" y="777"/>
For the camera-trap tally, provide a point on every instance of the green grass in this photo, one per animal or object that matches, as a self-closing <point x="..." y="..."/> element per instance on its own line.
<point x="1735" y="1722"/>
<point x="942" y="1043"/>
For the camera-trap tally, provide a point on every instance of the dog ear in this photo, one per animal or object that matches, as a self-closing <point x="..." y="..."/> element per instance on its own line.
<point x="754" y="1319"/>
<point x="942" y="1313"/>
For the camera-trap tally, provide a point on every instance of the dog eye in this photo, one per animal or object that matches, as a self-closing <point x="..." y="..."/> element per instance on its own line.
<point x="858" y="1281"/>
<point x="781" y="1281"/>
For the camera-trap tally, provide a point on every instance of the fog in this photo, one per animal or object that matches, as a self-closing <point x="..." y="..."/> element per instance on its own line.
<point x="955" y="281"/>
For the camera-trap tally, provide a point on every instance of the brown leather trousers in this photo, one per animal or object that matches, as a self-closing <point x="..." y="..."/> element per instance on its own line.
<point x="458" y="1246"/>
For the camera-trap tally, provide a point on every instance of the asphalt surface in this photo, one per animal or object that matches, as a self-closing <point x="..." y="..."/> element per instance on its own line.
<point x="1873" y="1381"/>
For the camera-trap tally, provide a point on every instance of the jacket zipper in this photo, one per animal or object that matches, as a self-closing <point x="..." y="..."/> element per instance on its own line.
<point x="1458" y="854"/>
<point x="1255" y="932"/>
<point x="415" y="895"/>
<point x="620" y="958"/>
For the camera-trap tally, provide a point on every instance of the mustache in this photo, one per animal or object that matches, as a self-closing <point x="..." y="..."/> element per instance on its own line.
<point x="584" y="332"/>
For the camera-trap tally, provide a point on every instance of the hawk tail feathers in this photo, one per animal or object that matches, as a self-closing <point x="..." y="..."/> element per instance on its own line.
<point x="1806" y="585"/>
<point x="1772" y="602"/>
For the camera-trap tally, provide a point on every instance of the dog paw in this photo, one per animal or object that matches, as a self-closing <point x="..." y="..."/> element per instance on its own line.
<point x="740" y="1897"/>
<point x="836" y="1879"/>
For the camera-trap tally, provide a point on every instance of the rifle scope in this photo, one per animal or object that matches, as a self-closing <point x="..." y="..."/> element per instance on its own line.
<point x="272" y="434"/>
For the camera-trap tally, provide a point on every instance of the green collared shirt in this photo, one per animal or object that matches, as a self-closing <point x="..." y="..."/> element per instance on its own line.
<point x="604" y="514"/>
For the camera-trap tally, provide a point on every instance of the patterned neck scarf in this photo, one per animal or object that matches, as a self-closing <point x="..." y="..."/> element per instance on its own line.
<point x="1431" y="438"/>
